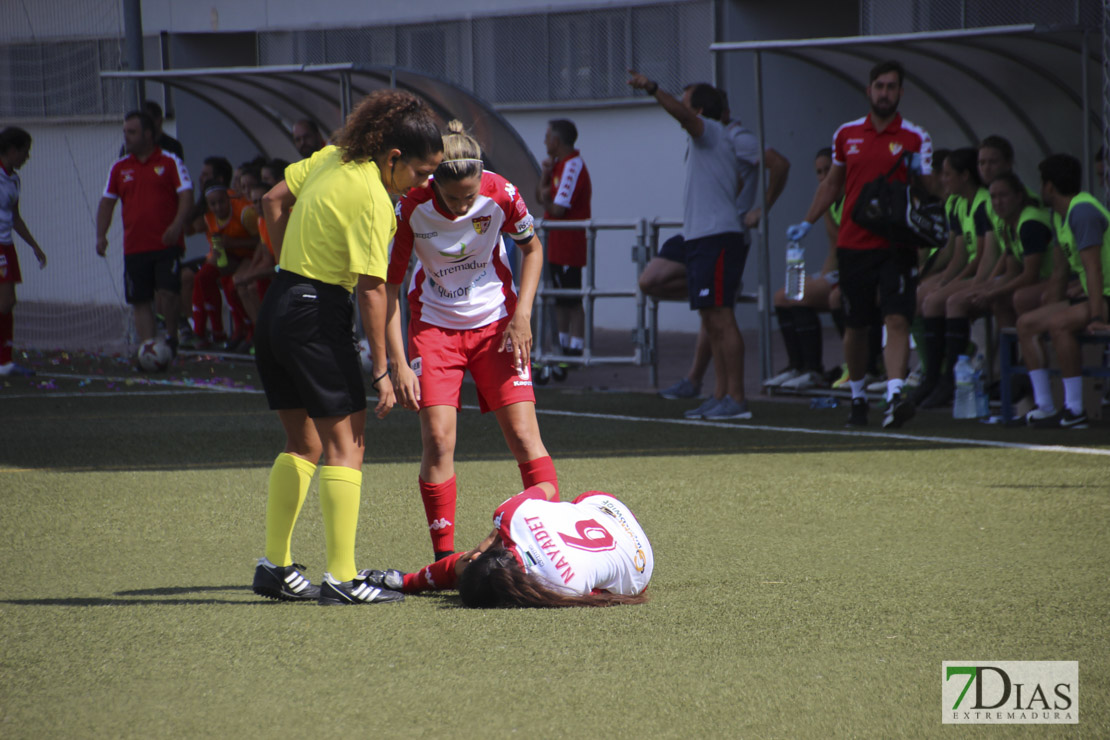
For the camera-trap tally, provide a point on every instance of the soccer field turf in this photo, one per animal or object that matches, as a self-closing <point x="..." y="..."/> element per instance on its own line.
<point x="809" y="581"/>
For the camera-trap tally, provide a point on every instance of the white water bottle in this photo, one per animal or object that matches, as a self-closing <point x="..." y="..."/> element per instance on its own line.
<point x="964" y="406"/>
<point x="795" y="271"/>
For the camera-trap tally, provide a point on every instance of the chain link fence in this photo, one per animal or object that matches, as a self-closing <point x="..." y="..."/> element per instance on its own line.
<point x="539" y="59"/>
<point x="885" y="17"/>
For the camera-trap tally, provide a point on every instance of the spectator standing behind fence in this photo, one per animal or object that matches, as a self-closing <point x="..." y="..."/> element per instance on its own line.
<point x="714" y="248"/>
<point x="15" y="149"/>
<point x="1082" y="226"/>
<point x="564" y="190"/>
<point x="157" y="195"/>
<point x="870" y="265"/>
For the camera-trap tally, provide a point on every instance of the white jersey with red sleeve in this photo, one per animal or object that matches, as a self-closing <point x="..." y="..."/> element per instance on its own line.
<point x="591" y="544"/>
<point x="462" y="278"/>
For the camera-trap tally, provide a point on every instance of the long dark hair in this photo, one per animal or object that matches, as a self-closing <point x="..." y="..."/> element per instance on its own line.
<point x="966" y="159"/>
<point x="496" y="579"/>
<point x="389" y="119"/>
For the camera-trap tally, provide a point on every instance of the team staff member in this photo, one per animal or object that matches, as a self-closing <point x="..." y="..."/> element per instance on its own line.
<point x="1082" y="226"/>
<point x="466" y="315"/>
<point x="157" y="195"/>
<point x="335" y="241"/>
<point x="564" y="190"/>
<point x="863" y="150"/>
<point x="545" y="553"/>
<point x="15" y="149"/>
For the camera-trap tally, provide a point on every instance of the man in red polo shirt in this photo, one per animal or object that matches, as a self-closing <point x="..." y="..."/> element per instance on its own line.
<point x="157" y="195"/>
<point x="564" y="189"/>
<point x="870" y="265"/>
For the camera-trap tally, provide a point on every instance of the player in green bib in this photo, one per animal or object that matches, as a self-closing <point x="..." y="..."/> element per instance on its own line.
<point x="967" y="268"/>
<point x="1082" y="226"/>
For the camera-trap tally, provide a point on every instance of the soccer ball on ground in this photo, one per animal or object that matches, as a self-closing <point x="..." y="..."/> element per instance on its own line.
<point x="154" y="355"/>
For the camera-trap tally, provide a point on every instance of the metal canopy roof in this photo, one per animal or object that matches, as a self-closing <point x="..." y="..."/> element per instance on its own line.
<point x="264" y="102"/>
<point x="1032" y="84"/>
<point x="1029" y="83"/>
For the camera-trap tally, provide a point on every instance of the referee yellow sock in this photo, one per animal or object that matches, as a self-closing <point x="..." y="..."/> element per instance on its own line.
<point x="340" y="491"/>
<point x="289" y="480"/>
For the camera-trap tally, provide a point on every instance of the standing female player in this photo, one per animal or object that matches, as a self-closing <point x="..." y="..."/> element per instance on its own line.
<point x="543" y="553"/>
<point x="466" y="315"/>
<point x="334" y="242"/>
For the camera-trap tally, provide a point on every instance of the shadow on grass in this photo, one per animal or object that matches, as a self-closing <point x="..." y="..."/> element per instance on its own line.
<point x="130" y="598"/>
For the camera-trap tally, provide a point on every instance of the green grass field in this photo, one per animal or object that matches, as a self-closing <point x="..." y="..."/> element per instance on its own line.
<point x="807" y="584"/>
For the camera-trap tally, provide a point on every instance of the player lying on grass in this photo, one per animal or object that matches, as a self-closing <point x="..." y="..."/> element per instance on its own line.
<point x="544" y="553"/>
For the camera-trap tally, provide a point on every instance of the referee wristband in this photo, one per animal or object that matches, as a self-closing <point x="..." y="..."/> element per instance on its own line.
<point x="378" y="379"/>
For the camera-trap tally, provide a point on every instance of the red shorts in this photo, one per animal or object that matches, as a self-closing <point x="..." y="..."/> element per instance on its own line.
<point x="9" y="265"/>
<point x="439" y="357"/>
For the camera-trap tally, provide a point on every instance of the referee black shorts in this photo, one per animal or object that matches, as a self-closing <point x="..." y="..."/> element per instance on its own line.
<point x="306" y="349"/>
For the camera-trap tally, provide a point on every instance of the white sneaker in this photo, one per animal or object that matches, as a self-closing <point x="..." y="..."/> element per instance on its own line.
<point x="803" y="382"/>
<point x="879" y="386"/>
<point x="1039" y="415"/>
<point x="785" y="375"/>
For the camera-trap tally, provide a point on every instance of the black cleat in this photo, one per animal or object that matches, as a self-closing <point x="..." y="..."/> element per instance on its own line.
<point x="898" y="412"/>
<point x="283" y="583"/>
<point x="358" y="590"/>
<point x="858" y="416"/>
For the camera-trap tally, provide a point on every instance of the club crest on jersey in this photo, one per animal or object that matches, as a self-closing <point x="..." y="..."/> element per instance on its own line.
<point x="895" y="148"/>
<point x="159" y="169"/>
<point x="481" y="224"/>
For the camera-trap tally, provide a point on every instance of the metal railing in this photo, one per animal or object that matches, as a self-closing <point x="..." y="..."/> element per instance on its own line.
<point x="542" y="349"/>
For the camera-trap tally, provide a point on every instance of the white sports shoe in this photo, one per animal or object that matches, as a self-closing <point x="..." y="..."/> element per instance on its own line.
<point x="803" y="382"/>
<point x="784" y="376"/>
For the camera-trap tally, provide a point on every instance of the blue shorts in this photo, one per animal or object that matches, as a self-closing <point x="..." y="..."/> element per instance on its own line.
<point x="673" y="250"/>
<point x="714" y="268"/>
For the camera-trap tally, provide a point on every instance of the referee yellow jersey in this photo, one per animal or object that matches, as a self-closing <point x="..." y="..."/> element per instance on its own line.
<point x="342" y="223"/>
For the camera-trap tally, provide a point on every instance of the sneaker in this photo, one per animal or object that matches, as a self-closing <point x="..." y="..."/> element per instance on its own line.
<point x="898" y="412"/>
<point x="12" y="370"/>
<point x="1039" y="417"/>
<point x="681" y="389"/>
<point x="699" y="412"/>
<point x="358" y="590"/>
<point x="803" y="382"/>
<point x="1062" y="419"/>
<point x="728" y="408"/>
<point x="392" y="579"/>
<point x="858" y="416"/>
<point x="283" y="583"/>
<point x="787" y="374"/>
<point x="842" y="381"/>
<point x="878" y="386"/>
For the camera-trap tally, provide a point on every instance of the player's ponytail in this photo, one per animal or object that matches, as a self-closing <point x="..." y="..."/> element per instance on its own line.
<point x="462" y="156"/>
<point x="389" y="119"/>
<point x="495" y="579"/>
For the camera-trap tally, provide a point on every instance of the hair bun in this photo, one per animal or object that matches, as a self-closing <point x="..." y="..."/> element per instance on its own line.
<point x="456" y="127"/>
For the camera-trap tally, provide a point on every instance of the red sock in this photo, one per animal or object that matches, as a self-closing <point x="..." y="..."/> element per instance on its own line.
<point x="200" y="316"/>
<point x="6" y="332"/>
<point x="540" y="470"/>
<point x="439" y="508"/>
<point x="238" y="312"/>
<point x="208" y="277"/>
<point x="438" y="575"/>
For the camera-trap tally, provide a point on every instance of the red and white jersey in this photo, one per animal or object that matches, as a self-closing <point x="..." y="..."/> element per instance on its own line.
<point x="867" y="154"/>
<point x="571" y="189"/>
<point x="591" y="544"/>
<point x="9" y="201"/>
<point x="462" y="278"/>
<point x="149" y="192"/>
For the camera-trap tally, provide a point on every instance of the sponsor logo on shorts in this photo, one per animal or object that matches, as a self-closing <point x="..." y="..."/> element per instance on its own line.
<point x="703" y="293"/>
<point x="524" y="372"/>
<point x="417" y="365"/>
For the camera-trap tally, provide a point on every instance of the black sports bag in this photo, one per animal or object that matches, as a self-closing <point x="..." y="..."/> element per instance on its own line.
<point x="903" y="213"/>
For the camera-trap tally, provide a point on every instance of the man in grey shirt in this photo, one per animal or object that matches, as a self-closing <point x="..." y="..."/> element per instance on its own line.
<point x="714" y="248"/>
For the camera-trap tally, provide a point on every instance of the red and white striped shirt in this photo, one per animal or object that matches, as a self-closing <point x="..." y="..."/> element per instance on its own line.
<point x="462" y="278"/>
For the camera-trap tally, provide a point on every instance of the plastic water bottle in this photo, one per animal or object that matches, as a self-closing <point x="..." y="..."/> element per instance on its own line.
<point x="982" y="400"/>
<point x="795" y="271"/>
<point x="964" y="407"/>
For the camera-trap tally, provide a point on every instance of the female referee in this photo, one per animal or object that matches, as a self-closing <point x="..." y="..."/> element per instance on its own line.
<point x="334" y="242"/>
<point x="466" y="315"/>
<point x="544" y="553"/>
